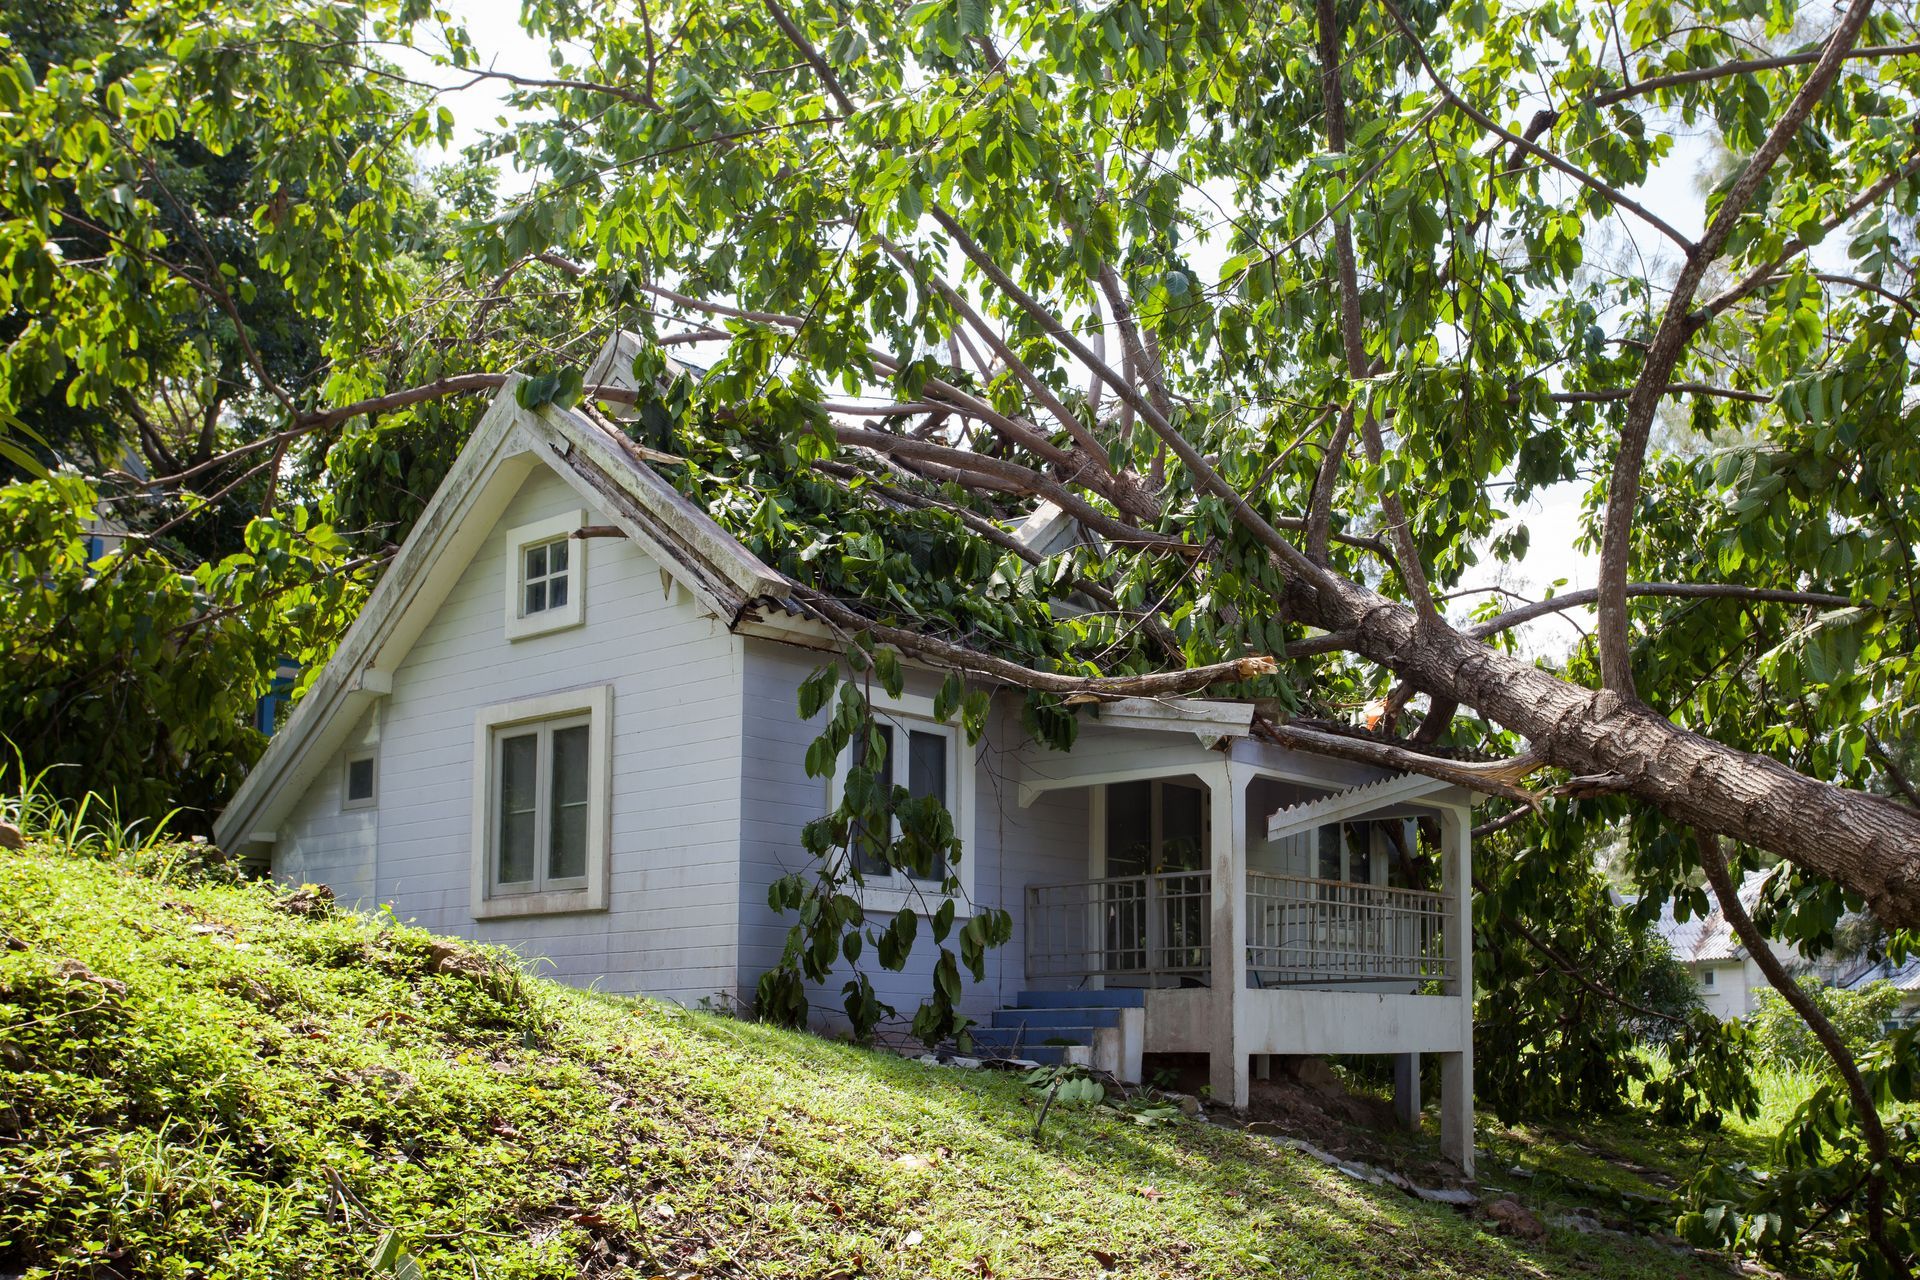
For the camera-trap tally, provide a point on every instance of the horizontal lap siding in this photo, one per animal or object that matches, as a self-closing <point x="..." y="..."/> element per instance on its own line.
<point x="672" y="923"/>
<point x="321" y="843"/>
<point x="1011" y="847"/>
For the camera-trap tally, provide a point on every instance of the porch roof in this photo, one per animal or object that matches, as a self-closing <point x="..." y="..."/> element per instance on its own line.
<point x="1405" y="788"/>
<point x="1206" y="718"/>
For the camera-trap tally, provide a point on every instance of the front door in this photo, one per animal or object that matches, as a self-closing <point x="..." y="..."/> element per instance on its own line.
<point x="1158" y="841"/>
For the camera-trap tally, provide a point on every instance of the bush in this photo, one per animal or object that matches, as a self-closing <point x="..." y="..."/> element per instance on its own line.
<point x="1858" y="1016"/>
<point x="128" y="678"/>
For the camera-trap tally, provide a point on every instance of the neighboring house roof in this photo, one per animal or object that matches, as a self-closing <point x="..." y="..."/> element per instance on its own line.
<point x="1708" y="939"/>
<point x="1904" y="977"/>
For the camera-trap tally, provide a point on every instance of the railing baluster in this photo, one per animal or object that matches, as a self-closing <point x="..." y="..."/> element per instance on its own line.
<point x="1300" y="931"/>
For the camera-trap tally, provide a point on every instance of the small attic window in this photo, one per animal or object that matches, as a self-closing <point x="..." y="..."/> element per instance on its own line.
<point x="543" y="577"/>
<point x="357" y="787"/>
<point x="545" y="572"/>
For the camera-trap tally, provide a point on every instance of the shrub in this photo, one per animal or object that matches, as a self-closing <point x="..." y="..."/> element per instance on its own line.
<point x="1858" y="1016"/>
<point x="126" y="677"/>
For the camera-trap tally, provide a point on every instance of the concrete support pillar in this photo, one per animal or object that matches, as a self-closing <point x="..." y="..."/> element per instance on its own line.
<point x="1406" y="1090"/>
<point x="1227" y="1058"/>
<point x="1456" y="1069"/>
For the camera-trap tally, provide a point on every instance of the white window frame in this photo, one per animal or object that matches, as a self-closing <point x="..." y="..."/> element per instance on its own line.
<point x="1706" y="979"/>
<point x="555" y="710"/>
<point x="370" y="800"/>
<point x="558" y="528"/>
<point x="906" y="714"/>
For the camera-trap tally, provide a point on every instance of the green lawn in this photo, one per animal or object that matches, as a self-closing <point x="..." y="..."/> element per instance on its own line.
<point x="196" y="1083"/>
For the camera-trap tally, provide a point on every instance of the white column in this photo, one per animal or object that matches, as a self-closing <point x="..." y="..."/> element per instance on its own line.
<point x="1227" y="1059"/>
<point x="1456" y="1069"/>
<point x="1096" y="925"/>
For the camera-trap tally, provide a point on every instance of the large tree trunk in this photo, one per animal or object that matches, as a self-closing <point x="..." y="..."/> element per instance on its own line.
<point x="1865" y="842"/>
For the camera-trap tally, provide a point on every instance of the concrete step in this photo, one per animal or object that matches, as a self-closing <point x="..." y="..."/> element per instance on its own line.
<point x="1037" y="1019"/>
<point x="1112" y="998"/>
<point x="1015" y="1037"/>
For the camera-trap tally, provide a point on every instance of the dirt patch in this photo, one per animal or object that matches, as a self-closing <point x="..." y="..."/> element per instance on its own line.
<point x="1306" y="1099"/>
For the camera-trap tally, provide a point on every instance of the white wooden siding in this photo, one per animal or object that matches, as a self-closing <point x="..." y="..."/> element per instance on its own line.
<point x="1011" y="847"/>
<point x="321" y="843"/>
<point x="671" y="928"/>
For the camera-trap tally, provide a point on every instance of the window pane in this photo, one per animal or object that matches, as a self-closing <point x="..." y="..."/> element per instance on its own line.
<point x="927" y="765"/>
<point x="1329" y="868"/>
<point x="927" y="776"/>
<point x="519" y="758"/>
<point x="1129" y="827"/>
<point x="536" y="597"/>
<point x="866" y="844"/>
<point x="1360" y="852"/>
<point x="360" y="780"/>
<point x="556" y="557"/>
<point x="567" y="851"/>
<point x="1182" y="810"/>
<point x="556" y="592"/>
<point x="537" y="561"/>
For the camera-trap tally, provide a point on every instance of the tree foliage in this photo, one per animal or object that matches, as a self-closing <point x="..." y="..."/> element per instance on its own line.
<point x="133" y="679"/>
<point x="1574" y="991"/>
<point x="1808" y="1211"/>
<point x="1859" y="1016"/>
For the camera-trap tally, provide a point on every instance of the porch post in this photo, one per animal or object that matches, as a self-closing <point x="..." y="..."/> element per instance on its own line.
<point x="1456" y="1069"/>
<point x="1227" y="1058"/>
<point x="1406" y="1090"/>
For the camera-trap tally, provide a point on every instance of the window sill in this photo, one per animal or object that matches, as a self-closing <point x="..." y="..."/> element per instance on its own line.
<point x="881" y="899"/>
<point x="527" y="628"/>
<point x="560" y="903"/>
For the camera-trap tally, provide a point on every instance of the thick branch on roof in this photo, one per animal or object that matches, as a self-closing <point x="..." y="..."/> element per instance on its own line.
<point x="944" y="653"/>
<point x="1498" y="777"/>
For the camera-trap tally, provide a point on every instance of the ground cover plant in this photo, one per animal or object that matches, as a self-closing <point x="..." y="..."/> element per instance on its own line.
<point x="204" y="1078"/>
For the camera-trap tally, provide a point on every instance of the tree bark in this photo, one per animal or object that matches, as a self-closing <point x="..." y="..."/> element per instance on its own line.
<point x="1715" y="864"/>
<point x="1866" y="842"/>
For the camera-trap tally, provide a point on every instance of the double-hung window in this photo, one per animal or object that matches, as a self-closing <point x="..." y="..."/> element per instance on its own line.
<point x="928" y="759"/>
<point x="545" y="572"/>
<point x="540" y="793"/>
<point x="540" y="806"/>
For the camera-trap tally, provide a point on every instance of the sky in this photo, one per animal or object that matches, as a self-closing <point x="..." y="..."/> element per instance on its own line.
<point x="1552" y="517"/>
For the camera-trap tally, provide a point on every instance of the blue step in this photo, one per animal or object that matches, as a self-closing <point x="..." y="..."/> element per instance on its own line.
<point x="1035" y="1037"/>
<point x="1050" y="1018"/>
<point x="1112" y="998"/>
<point x="1047" y="1055"/>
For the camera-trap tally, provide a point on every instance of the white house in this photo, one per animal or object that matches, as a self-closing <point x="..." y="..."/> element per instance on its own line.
<point x="566" y="721"/>
<point x="1730" y="980"/>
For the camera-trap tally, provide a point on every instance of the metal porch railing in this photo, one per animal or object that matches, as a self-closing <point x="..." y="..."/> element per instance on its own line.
<point x="1156" y="931"/>
<point x="1150" y="930"/>
<point x="1306" y="932"/>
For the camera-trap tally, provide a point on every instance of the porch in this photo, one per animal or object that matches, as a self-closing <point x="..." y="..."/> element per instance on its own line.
<point x="1254" y="903"/>
<point x="1156" y="931"/>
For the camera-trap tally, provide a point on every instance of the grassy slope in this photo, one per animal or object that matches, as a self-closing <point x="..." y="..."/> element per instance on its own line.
<point x="272" y="1095"/>
<point x="1626" y="1168"/>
